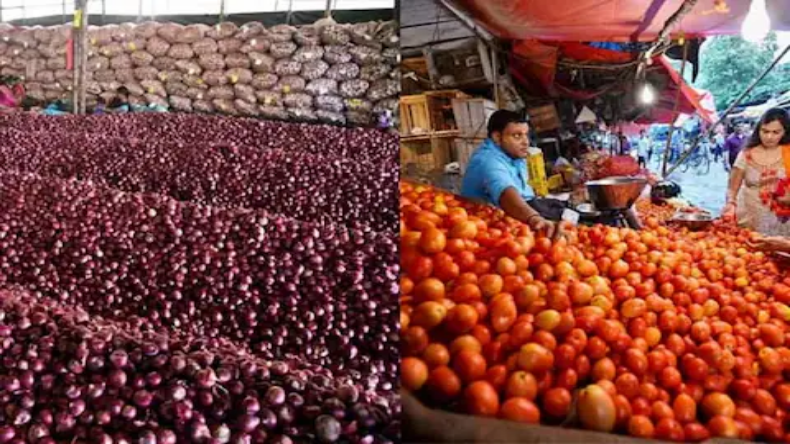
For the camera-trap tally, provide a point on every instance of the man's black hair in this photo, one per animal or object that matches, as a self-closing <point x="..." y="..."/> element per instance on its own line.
<point x="502" y="118"/>
<point x="123" y="90"/>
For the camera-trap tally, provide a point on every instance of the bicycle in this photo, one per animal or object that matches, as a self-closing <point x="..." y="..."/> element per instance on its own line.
<point x="699" y="161"/>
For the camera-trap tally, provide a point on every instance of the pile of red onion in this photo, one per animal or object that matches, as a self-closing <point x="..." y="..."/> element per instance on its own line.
<point x="172" y="238"/>
<point x="69" y="376"/>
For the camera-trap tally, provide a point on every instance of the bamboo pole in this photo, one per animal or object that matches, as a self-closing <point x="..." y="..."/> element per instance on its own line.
<point x="328" y="10"/>
<point x="675" y="112"/>
<point x="80" y="42"/>
<point x="732" y="106"/>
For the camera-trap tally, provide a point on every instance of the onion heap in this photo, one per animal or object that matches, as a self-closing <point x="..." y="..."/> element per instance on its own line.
<point x="69" y="376"/>
<point x="659" y="333"/>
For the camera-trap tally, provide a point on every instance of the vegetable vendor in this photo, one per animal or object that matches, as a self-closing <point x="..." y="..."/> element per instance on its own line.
<point x="11" y="93"/>
<point x="497" y="172"/>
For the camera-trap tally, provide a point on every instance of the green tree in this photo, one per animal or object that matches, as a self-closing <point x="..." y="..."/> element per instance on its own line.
<point x="729" y="64"/>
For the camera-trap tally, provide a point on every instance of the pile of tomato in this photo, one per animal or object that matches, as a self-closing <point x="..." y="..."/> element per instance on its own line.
<point x="656" y="333"/>
<point x="647" y="210"/>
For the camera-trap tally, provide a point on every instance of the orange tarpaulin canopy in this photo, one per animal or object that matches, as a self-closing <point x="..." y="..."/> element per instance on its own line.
<point x="612" y="20"/>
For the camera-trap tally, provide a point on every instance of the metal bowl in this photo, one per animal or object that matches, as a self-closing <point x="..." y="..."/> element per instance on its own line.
<point x="587" y="210"/>
<point x="615" y="193"/>
<point x="694" y="221"/>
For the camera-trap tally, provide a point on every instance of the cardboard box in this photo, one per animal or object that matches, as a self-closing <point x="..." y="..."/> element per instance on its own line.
<point x="543" y="118"/>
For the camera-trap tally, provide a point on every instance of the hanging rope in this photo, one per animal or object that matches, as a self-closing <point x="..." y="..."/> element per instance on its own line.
<point x="675" y="111"/>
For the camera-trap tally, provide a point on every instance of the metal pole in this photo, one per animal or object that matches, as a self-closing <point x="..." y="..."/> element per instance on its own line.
<point x="732" y="106"/>
<point x="328" y="11"/>
<point x="80" y="41"/>
<point x="139" y="11"/>
<point x="63" y="11"/>
<point x="221" y="11"/>
<point x="103" y="10"/>
<point x="675" y="113"/>
<point x="288" y="14"/>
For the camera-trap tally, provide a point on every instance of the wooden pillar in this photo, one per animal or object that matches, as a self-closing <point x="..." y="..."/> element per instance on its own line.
<point x="80" y="41"/>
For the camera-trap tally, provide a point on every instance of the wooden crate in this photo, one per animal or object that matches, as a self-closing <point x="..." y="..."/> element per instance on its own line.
<point x="428" y="113"/>
<point x="464" y="148"/>
<point x="471" y="116"/>
<point x="543" y="118"/>
<point x="425" y="154"/>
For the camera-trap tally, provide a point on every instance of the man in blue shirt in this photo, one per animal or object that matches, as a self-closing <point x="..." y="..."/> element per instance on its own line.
<point x="497" y="171"/>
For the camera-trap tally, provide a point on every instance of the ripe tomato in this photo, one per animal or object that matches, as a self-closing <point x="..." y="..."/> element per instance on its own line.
<point x="461" y="319"/>
<point x="469" y="366"/>
<point x="718" y="404"/>
<point x="640" y="426"/>
<point x="557" y="402"/>
<point x="723" y="427"/>
<point x="436" y="355"/>
<point x="429" y="289"/>
<point x="432" y="240"/>
<point x="443" y="384"/>
<point x="520" y="410"/>
<point x="669" y="429"/>
<point x="685" y="408"/>
<point x="521" y="384"/>
<point x="414" y="373"/>
<point x="481" y="399"/>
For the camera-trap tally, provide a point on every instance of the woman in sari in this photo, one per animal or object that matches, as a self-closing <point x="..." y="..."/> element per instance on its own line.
<point x="11" y="93"/>
<point x="756" y="173"/>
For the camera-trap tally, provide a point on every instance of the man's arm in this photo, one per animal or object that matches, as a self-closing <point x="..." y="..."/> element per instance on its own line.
<point x="511" y="202"/>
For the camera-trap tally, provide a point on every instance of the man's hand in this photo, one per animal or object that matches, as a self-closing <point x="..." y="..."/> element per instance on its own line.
<point x="773" y="244"/>
<point x="552" y="230"/>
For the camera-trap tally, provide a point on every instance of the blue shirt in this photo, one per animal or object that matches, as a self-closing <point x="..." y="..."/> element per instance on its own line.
<point x="491" y="171"/>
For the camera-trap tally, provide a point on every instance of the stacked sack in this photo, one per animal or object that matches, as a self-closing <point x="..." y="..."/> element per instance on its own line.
<point x="325" y="72"/>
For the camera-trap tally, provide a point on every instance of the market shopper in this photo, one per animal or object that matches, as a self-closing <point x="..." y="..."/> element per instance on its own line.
<point x="734" y="144"/>
<point x="644" y="149"/>
<point x="755" y="174"/>
<point x="497" y="171"/>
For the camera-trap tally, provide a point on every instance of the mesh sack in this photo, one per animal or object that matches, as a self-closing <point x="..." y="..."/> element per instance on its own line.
<point x="358" y="105"/>
<point x="153" y="99"/>
<point x="229" y="46"/>
<point x="221" y="92"/>
<point x="237" y="60"/>
<point x="5" y="61"/>
<point x="269" y="98"/>
<point x="104" y="75"/>
<point x="225" y="106"/>
<point x="239" y="75"/>
<point x="359" y="118"/>
<point x="364" y="55"/>
<point x="172" y="76"/>
<point x="53" y="95"/>
<point x="381" y="89"/>
<point x="354" y="88"/>
<point x="98" y="63"/>
<point x="30" y="54"/>
<point x="203" y="106"/>
<point x="287" y="67"/>
<point x="281" y="33"/>
<point x="134" y="88"/>
<point x="124" y="32"/>
<point x="330" y="103"/>
<point x="314" y="70"/>
<point x="391" y="56"/>
<point x="298" y="100"/>
<point x="387" y="34"/>
<point x="7" y="71"/>
<point x="134" y="45"/>
<point x="196" y="93"/>
<point x="164" y="63"/>
<point x="157" y="47"/>
<point x="390" y="104"/>
<point x="56" y="63"/>
<point x="244" y="92"/>
<point x="281" y="50"/>
<point x="111" y="49"/>
<point x="4" y="47"/>
<point x="205" y="46"/>
<point x="330" y="117"/>
<point x="15" y="50"/>
<point x="321" y="87"/>
<point x="19" y="63"/>
<point x="215" y="78"/>
<point x="335" y="35"/>
<point x="64" y="74"/>
<point x="154" y="87"/>
<point x="169" y="32"/>
<point x="99" y="36"/>
<point x="343" y="71"/>
<point x="124" y="75"/>
<point x="146" y="30"/>
<point x="371" y="73"/>
<point x="302" y="115"/>
<point x="307" y="36"/>
<point x="42" y="35"/>
<point x="257" y="44"/>
<point x="93" y="87"/>
<point x="223" y="30"/>
<point x="122" y="61"/>
<point x="183" y="104"/>
<point x="141" y="58"/>
<point x="47" y="51"/>
<point x="45" y="76"/>
<point x="250" y="30"/>
<point x="181" y="51"/>
<point x="336" y="55"/>
<point x="193" y="81"/>
<point x="191" y="34"/>
<point x="273" y="112"/>
<point x="363" y="34"/>
<point x="110" y="86"/>
<point x="57" y="86"/>
<point x="176" y="89"/>
<point x="146" y="73"/>
<point x="212" y="62"/>
<point x="308" y="54"/>
<point x="261" y="62"/>
<point x="189" y="67"/>
<point x="136" y="101"/>
<point x="246" y="108"/>
<point x="35" y="92"/>
<point x="264" y="80"/>
<point x="290" y="84"/>
<point x="60" y="35"/>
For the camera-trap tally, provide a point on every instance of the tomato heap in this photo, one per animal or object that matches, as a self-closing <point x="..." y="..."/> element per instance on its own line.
<point x="647" y="209"/>
<point x="658" y="333"/>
